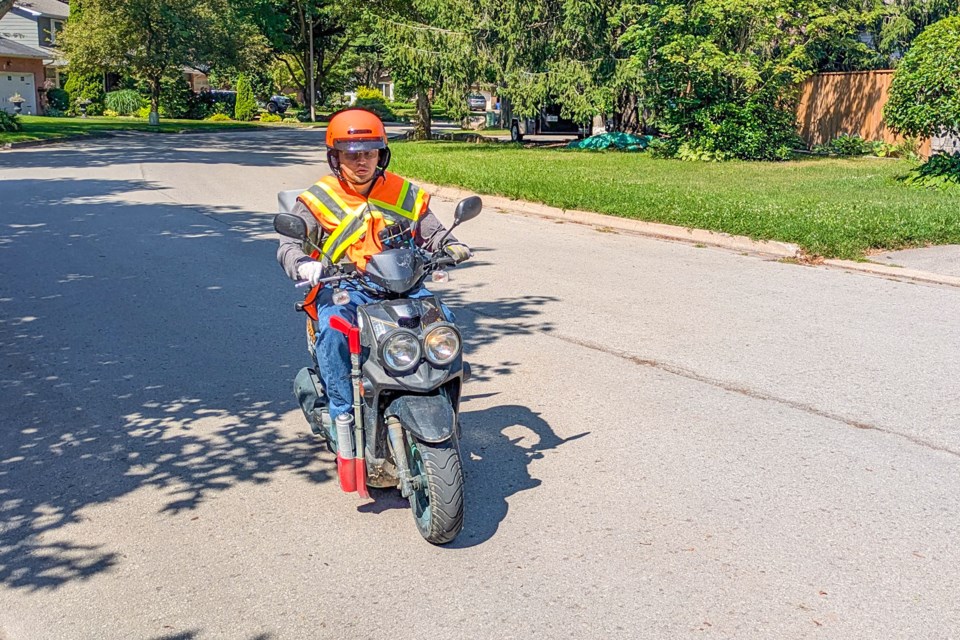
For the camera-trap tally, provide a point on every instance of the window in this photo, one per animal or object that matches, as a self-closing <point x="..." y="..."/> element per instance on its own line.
<point x="56" y="26"/>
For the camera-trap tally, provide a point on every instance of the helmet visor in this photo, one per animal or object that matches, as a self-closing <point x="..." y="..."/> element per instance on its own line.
<point x="363" y="144"/>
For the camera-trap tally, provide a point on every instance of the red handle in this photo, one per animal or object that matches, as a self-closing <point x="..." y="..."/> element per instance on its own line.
<point x="353" y="333"/>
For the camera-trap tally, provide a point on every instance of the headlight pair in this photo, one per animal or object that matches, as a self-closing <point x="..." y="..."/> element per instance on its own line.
<point x="402" y="350"/>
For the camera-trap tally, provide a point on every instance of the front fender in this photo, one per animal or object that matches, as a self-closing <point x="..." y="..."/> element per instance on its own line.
<point x="429" y="418"/>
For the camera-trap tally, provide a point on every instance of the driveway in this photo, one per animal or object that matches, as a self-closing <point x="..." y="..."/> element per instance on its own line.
<point x="661" y="440"/>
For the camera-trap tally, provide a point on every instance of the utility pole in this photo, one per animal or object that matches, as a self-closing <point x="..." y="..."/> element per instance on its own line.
<point x="313" y="90"/>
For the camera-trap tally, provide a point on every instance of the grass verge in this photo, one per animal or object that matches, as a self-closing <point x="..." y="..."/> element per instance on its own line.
<point x="42" y="128"/>
<point x="837" y="208"/>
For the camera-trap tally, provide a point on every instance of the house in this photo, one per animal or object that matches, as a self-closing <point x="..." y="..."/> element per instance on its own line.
<point x="20" y="66"/>
<point x="28" y="37"/>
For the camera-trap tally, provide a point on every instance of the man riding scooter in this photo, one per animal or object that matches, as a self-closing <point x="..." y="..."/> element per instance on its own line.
<point x="348" y="215"/>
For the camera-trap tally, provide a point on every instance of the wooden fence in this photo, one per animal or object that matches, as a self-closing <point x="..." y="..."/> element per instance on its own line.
<point x="836" y="103"/>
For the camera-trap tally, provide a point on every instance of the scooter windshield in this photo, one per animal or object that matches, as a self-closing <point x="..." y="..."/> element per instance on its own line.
<point x="396" y="270"/>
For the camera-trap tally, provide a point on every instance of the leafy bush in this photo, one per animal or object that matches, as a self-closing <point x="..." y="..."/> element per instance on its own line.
<point x="176" y="98"/>
<point x="124" y="102"/>
<point x="290" y="120"/>
<point x="370" y="93"/>
<point x="246" y="107"/>
<point x="939" y="172"/>
<point x="373" y="100"/>
<point x="924" y="93"/>
<point x="847" y="144"/>
<point x="760" y="129"/>
<point x="110" y="113"/>
<point x="270" y="117"/>
<point x="218" y="117"/>
<point x="85" y="87"/>
<point x="9" y="122"/>
<point x="209" y="102"/>
<point x="57" y="99"/>
<point x="55" y="113"/>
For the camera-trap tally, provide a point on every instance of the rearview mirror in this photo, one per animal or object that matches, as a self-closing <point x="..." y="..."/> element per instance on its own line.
<point x="467" y="209"/>
<point x="291" y="226"/>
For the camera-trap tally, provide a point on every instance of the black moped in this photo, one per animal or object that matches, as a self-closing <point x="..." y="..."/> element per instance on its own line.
<point x="407" y="372"/>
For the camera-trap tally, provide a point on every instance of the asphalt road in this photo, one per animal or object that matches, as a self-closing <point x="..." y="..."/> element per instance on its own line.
<point x="663" y="441"/>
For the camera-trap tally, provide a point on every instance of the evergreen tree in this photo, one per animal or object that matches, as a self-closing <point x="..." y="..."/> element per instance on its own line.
<point x="246" y="107"/>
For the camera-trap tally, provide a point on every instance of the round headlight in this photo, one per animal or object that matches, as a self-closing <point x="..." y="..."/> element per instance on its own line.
<point x="442" y="345"/>
<point x="401" y="351"/>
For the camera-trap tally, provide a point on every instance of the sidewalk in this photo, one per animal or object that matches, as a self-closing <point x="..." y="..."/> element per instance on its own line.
<point x="930" y="265"/>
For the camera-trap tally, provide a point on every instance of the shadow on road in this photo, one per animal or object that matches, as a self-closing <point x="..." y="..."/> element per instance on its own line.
<point x="498" y="446"/>
<point x="269" y="148"/>
<point x="153" y="346"/>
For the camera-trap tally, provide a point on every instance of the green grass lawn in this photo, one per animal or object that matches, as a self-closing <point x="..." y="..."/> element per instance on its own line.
<point x="829" y="206"/>
<point x="42" y="128"/>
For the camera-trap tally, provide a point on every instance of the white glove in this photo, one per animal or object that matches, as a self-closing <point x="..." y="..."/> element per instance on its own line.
<point x="311" y="271"/>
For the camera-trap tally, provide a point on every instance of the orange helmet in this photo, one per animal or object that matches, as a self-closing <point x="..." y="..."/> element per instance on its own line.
<point x="356" y="130"/>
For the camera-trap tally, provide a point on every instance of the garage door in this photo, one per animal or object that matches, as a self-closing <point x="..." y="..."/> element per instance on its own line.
<point x="18" y="82"/>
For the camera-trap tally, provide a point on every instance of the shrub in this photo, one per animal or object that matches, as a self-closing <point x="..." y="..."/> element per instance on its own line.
<point x="373" y="100"/>
<point x="290" y="120"/>
<point x="176" y="98"/>
<point x="924" y="93"/>
<point x="756" y="130"/>
<point x="9" y="122"/>
<point x="57" y="99"/>
<point x="939" y="172"/>
<point x="270" y="117"/>
<point x="110" y="113"/>
<point x="218" y="117"/>
<point x="124" y="102"/>
<point x="55" y="113"/>
<point x="847" y="144"/>
<point x="85" y="87"/>
<point x="246" y="107"/>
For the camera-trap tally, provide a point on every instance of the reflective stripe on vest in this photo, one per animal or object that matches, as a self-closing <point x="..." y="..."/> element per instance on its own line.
<point x="350" y="224"/>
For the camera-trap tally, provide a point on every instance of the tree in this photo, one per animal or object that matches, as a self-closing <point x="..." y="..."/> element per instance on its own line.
<point x="153" y="39"/>
<point x="291" y="26"/>
<point x="246" y="106"/>
<point x="431" y="49"/>
<point x="925" y="93"/>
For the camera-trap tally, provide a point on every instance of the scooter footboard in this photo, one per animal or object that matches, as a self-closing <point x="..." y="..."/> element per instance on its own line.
<point x="429" y="418"/>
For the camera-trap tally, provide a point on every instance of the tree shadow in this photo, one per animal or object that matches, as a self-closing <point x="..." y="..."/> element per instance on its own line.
<point x="133" y="357"/>
<point x="258" y="148"/>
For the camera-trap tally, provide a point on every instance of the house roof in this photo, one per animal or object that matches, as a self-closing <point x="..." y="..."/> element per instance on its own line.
<point x="11" y="49"/>
<point x="50" y="8"/>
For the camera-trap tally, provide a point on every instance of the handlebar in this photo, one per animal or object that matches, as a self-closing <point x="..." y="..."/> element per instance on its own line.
<point x="438" y="260"/>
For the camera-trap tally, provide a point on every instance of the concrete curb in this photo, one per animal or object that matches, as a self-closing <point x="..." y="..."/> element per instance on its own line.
<point x="605" y="222"/>
<point x="740" y="244"/>
<point x="895" y="273"/>
<point x="26" y="144"/>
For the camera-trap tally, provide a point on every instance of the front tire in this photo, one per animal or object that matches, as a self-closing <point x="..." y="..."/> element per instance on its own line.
<point x="515" y="135"/>
<point x="437" y="505"/>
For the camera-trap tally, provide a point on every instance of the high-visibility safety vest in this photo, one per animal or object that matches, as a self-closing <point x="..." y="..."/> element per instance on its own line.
<point x="353" y="222"/>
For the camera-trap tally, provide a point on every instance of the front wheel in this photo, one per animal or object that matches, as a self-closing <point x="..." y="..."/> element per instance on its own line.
<point x="515" y="135"/>
<point x="437" y="499"/>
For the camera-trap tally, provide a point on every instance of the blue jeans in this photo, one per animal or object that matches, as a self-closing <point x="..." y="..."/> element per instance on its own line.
<point x="332" y="349"/>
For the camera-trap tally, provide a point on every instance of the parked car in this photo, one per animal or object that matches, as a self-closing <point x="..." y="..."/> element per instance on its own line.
<point x="547" y="122"/>
<point x="278" y="104"/>
<point x="477" y="102"/>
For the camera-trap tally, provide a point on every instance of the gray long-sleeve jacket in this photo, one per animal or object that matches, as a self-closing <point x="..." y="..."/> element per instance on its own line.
<point x="290" y="253"/>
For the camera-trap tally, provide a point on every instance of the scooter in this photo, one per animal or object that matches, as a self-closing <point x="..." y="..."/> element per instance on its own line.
<point x="407" y="373"/>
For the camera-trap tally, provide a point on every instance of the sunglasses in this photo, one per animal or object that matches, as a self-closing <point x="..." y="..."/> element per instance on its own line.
<point x="353" y="156"/>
